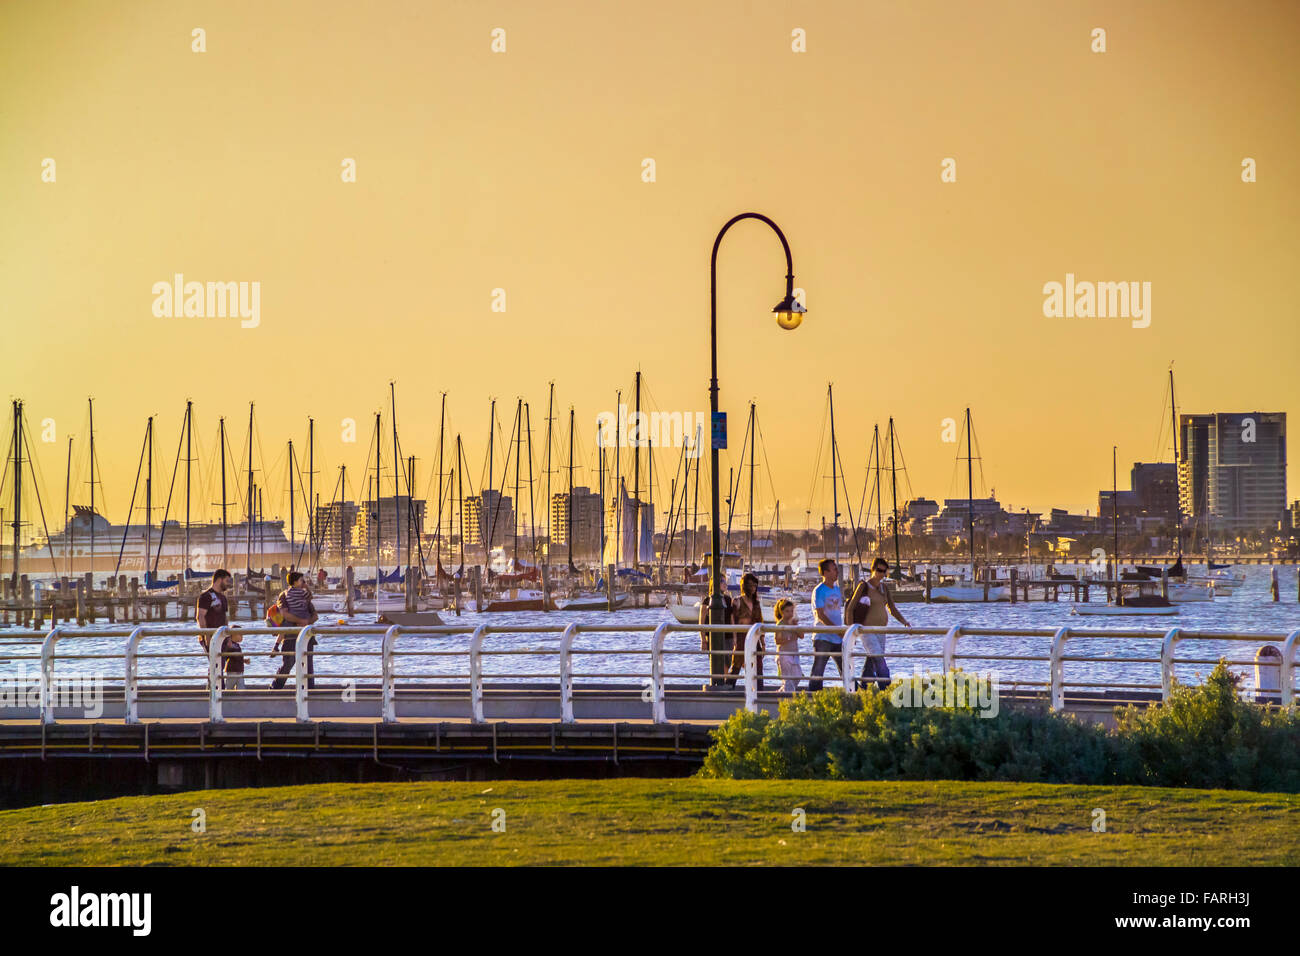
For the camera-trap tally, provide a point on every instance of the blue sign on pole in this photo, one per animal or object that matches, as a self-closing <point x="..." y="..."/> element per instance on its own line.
<point x="719" y="429"/>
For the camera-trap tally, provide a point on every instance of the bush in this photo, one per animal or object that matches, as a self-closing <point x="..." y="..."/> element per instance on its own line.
<point x="1207" y="736"/>
<point x="1203" y="737"/>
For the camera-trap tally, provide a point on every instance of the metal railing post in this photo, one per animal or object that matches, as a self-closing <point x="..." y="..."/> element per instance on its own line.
<point x="658" y="708"/>
<point x="1286" y="672"/>
<point x="566" y="673"/>
<point x="305" y="636"/>
<point x="851" y="635"/>
<point x="950" y="648"/>
<point x="46" y="685"/>
<point x="751" y="666"/>
<point x="389" y="707"/>
<point x="476" y="674"/>
<point x="1167" y="662"/>
<point x="132" y="677"/>
<point x="215" y="643"/>
<point x="1056" y="668"/>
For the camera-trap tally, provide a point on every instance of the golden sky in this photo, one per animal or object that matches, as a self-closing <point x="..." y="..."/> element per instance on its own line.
<point x="522" y="171"/>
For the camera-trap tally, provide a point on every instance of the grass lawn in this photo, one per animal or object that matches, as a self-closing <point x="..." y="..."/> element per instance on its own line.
<point x="677" y="822"/>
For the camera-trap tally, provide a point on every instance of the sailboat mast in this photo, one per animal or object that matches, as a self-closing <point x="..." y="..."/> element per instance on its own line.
<point x="568" y="531"/>
<point x="437" y="532"/>
<point x="519" y="445"/>
<point x="546" y="502"/>
<point x="617" y="479"/>
<point x="189" y="418"/>
<point x="91" y="403"/>
<point x="248" y="548"/>
<point x="343" y="544"/>
<point x="1178" y="502"/>
<point x="148" y="501"/>
<point x="67" y="501"/>
<point x="374" y="499"/>
<point x="311" y="487"/>
<point x="695" y="519"/>
<point x="225" y="544"/>
<point x="636" y="478"/>
<point x="292" y="564"/>
<point x="1114" y="508"/>
<point x="397" y="488"/>
<point x="492" y="417"/>
<point x="460" y="497"/>
<point x="970" y="493"/>
<point x="753" y="445"/>
<point x="18" y="487"/>
<point x="835" y="496"/>
<point x="880" y="519"/>
<point x="532" y="498"/>
<point x="600" y="459"/>
<point x="893" y="484"/>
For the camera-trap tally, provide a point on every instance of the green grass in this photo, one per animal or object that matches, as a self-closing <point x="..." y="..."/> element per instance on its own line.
<point x="675" y="822"/>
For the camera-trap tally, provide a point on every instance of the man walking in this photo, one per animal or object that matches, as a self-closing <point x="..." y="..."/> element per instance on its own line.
<point x="296" y="606"/>
<point x="828" y="611"/>
<point x="211" y="612"/>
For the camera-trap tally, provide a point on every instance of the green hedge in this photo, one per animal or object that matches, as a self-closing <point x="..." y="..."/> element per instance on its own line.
<point x="1204" y="736"/>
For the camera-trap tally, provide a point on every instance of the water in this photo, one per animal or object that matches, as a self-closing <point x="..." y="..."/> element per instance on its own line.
<point x="622" y="656"/>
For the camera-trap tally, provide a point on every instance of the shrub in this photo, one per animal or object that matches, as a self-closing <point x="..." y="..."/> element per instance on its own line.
<point x="1207" y="736"/>
<point x="1203" y="736"/>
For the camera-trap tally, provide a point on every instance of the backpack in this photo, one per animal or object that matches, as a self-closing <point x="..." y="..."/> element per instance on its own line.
<point x="275" y="615"/>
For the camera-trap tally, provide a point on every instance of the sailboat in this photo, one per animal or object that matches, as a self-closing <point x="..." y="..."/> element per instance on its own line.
<point x="1142" y="604"/>
<point x="968" y="589"/>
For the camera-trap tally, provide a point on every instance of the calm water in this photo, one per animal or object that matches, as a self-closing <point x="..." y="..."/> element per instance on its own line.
<point x="621" y="655"/>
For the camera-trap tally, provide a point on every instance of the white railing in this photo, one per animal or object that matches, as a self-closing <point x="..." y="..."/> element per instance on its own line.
<point x="956" y="645"/>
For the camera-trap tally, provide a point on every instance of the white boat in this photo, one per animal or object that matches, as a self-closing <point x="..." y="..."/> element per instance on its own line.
<point x="690" y="613"/>
<point x="590" y="601"/>
<point x="965" y="591"/>
<point x="1145" y="606"/>
<point x="1192" y="592"/>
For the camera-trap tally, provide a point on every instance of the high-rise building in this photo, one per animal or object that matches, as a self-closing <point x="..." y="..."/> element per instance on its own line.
<point x="1156" y="488"/>
<point x="391" y="516"/>
<point x="586" y="524"/>
<point x="490" y="513"/>
<point x="1232" y="469"/>
<point x="335" y="524"/>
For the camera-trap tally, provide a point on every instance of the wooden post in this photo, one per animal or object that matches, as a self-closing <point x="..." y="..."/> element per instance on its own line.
<point x="25" y="587"/>
<point x="135" y="600"/>
<point x="609" y="585"/>
<point x="986" y="573"/>
<point x="478" y="587"/>
<point x="546" y="587"/>
<point x="1273" y="584"/>
<point x="1015" y="580"/>
<point x="929" y="583"/>
<point x="81" y="602"/>
<point x="349" y="577"/>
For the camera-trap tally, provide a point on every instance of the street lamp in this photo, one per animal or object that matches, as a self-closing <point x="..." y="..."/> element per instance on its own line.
<point x="789" y="315"/>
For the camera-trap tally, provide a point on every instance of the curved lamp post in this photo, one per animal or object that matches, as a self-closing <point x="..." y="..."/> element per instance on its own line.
<point x="789" y="314"/>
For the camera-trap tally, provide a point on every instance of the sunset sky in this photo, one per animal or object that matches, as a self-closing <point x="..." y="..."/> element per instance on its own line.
<point x="523" y="171"/>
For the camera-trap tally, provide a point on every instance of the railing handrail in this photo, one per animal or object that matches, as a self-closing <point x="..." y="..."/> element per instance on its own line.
<point x="567" y="633"/>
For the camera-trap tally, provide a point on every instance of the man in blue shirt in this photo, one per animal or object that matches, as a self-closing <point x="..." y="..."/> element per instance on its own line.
<point x="828" y="610"/>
